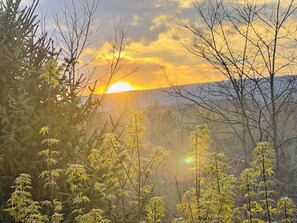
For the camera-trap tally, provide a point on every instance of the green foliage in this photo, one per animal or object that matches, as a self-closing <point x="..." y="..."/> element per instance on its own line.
<point x="76" y="177"/>
<point x="212" y="197"/>
<point x="200" y="138"/>
<point x="50" y="156"/>
<point x="51" y="73"/>
<point x="250" y="206"/>
<point x="219" y="190"/>
<point x="258" y="186"/>
<point x="191" y="205"/>
<point x="189" y="208"/>
<point x="264" y="165"/>
<point x="264" y="160"/>
<point x="34" y="96"/>
<point x="22" y="55"/>
<point x="21" y="205"/>
<point x="51" y="175"/>
<point x="200" y="141"/>
<point x="57" y="216"/>
<point x="141" y="168"/>
<point x="286" y="210"/>
<point x="124" y="172"/>
<point x="217" y="201"/>
<point x="94" y="216"/>
<point x="155" y="210"/>
<point x="99" y="176"/>
<point x="110" y="179"/>
<point x="114" y="194"/>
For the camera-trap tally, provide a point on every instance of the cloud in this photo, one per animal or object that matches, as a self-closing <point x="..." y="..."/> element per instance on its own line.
<point x="167" y="52"/>
<point x="153" y="40"/>
<point x="143" y="17"/>
<point x="135" y="20"/>
<point x="184" y="3"/>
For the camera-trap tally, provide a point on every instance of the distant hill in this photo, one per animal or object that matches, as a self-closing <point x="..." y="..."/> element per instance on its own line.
<point x="137" y="98"/>
<point x="212" y="91"/>
<point x="143" y="98"/>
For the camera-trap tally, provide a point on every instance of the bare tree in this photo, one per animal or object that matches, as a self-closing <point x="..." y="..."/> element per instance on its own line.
<point x="250" y="45"/>
<point x="117" y="65"/>
<point x="74" y="34"/>
<point x="76" y="31"/>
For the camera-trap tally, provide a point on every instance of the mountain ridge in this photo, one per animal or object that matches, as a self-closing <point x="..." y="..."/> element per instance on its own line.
<point x="211" y="90"/>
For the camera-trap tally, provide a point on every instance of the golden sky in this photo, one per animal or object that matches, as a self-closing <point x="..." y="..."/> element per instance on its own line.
<point x="153" y="42"/>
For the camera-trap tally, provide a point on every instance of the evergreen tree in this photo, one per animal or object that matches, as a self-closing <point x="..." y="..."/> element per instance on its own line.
<point x="34" y="94"/>
<point x="22" y="56"/>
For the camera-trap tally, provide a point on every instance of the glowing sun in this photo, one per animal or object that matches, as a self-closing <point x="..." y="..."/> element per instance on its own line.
<point x="120" y="87"/>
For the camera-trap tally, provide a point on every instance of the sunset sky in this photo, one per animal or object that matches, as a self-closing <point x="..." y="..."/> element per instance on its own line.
<point x="153" y="40"/>
<point x="153" y="31"/>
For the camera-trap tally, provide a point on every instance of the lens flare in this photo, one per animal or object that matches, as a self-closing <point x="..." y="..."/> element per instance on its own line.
<point x="189" y="160"/>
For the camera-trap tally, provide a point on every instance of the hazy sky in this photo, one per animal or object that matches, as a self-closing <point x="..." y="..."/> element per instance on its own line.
<point x="152" y="36"/>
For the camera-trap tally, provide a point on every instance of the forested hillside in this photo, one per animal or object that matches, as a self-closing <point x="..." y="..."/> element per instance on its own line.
<point x="225" y="152"/>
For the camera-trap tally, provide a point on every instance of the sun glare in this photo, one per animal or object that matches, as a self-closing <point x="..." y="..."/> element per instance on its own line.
<point x="120" y="87"/>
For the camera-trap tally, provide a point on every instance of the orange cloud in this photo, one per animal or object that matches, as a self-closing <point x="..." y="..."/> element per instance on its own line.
<point x="166" y="52"/>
